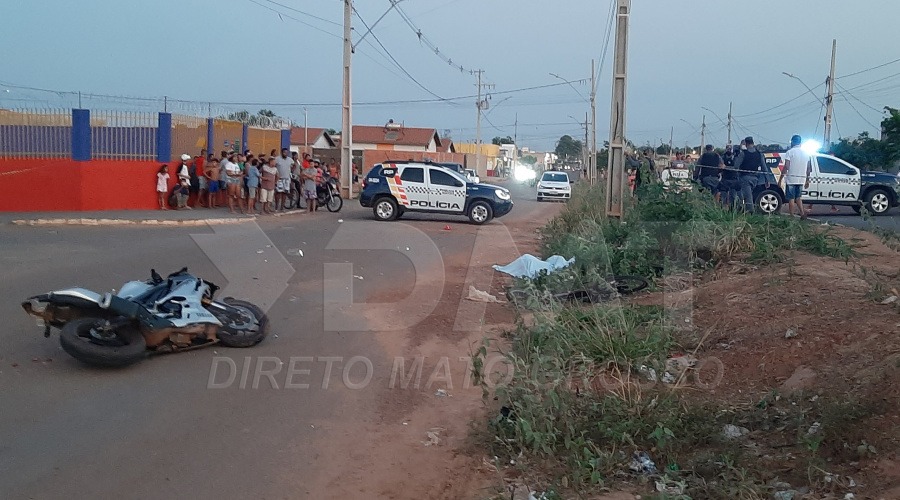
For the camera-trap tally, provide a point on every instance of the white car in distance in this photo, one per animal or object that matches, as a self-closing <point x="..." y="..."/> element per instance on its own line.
<point x="554" y="185"/>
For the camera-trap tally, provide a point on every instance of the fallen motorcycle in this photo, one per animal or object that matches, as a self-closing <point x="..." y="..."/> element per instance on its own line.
<point x="595" y="293"/>
<point x="155" y="316"/>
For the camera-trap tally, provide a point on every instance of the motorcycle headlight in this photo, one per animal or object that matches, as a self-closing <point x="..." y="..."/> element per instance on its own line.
<point x="502" y="194"/>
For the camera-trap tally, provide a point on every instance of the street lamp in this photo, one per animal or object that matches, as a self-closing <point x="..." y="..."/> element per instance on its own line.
<point x="554" y="75"/>
<point x="811" y="92"/>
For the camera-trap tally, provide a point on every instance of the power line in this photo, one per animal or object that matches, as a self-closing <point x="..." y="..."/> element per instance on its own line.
<point x="785" y="103"/>
<point x="424" y="39"/>
<point x="400" y="66"/>
<point x="845" y="91"/>
<point x="876" y="127"/>
<point x="288" y="7"/>
<point x="869" y="69"/>
<point x="283" y="15"/>
<point x="609" y="25"/>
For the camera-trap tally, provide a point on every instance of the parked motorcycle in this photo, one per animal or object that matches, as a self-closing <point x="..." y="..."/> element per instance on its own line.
<point x="155" y="316"/>
<point x="328" y="195"/>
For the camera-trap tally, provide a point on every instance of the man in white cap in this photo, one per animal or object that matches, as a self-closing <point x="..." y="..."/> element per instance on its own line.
<point x="184" y="182"/>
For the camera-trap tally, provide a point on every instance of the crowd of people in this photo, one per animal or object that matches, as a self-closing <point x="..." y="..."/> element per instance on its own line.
<point x="732" y="176"/>
<point x="245" y="181"/>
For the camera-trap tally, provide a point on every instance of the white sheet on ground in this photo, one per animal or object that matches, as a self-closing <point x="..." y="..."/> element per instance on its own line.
<point x="529" y="266"/>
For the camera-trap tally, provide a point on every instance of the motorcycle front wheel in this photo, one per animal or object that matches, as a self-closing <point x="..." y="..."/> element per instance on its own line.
<point x="335" y="203"/>
<point x="243" y="325"/>
<point x="95" y="342"/>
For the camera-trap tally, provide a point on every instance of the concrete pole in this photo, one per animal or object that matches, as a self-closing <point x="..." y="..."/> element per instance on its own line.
<point x="829" y="99"/>
<point x="703" y="134"/>
<point x="730" y="105"/>
<point x="478" y="124"/>
<point x="593" y="168"/>
<point x="347" y="106"/>
<point x="615" y="184"/>
<point x="305" y="131"/>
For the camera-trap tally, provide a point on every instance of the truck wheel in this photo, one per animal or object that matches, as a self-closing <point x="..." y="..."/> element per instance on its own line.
<point x="878" y="201"/>
<point x="768" y="201"/>
<point x="385" y="209"/>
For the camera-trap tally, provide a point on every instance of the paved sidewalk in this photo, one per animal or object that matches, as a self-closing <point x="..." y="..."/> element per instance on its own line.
<point x="195" y="217"/>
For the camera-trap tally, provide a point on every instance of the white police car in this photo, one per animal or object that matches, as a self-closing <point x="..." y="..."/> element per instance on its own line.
<point x="392" y="188"/>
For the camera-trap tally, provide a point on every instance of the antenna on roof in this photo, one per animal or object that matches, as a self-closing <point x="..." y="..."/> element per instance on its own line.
<point x="390" y="125"/>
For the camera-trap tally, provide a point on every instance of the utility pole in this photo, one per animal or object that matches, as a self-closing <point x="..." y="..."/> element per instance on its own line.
<point x="730" y="104"/>
<point x="515" y="145"/>
<point x="615" y="183"/>
<point x="481" y="105"/>
<point x="347" y="106"/>
<point x="703" y="134"/>
<point x="586" y="153"/>
<point x="829" y="99"/>
<point x="671" y="142"/>
<point x="592" y="164"/>
<point x="305" y="131"/>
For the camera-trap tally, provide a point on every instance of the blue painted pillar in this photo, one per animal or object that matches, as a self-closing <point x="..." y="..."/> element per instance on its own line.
<point x="211" y="137"/>
<point x="81" y="135"/>
<point x="164" y="138"/>
<point x="286" y="139"/>
<point x="245" y="137"/>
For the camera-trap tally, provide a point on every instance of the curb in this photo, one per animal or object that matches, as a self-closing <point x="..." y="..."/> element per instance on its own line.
<point x="127" y="222"/>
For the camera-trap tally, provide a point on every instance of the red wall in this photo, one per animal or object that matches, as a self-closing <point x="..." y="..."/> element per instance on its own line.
<point x="28" y="185"/>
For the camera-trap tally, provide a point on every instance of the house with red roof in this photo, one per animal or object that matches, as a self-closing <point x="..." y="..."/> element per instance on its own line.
<point x="395" y="137"/>
<point x="315" y="138"/>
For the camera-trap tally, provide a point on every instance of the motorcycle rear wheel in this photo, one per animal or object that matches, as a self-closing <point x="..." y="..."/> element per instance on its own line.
<point x="246" y="328"/>
<point x="86" y="340"/>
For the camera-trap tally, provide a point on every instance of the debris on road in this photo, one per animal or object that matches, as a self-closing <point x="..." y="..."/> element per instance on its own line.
<point x="477" y="295"/>
<point x="358" y="277"/>
<point x="434" y="437"/>
<point x="790" y="333"/>
<point x="441" y="393"/>
<point x="734" y="432"/>
<point x="295" y="252"/>
<point x="642" y="464"/>
<point x="889" y="300"/>
<point x="447" y="227"/>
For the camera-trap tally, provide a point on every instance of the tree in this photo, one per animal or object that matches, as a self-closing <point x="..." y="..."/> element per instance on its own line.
<point x="864" y="151"/>
<point x="568" y="147"/>
<point x="528" y="160"/>
<point x="266" y="112"/>
<point x="332" y="131"/>
<point x="890" y="135"/>
<point x="499" y="141"/>
<point x="265" y="117"/>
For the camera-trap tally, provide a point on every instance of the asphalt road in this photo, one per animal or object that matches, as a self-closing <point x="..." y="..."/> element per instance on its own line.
<point x="156" y="429"/>
<point x="847" y="217"/>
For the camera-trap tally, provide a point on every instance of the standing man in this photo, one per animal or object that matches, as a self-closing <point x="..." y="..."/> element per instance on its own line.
<point x="749" y="165"/>
<point x="797" y="167"/>
<point x="284" y="164"/>
<point x="651" y="164"/>
<point x="709" y="169"/>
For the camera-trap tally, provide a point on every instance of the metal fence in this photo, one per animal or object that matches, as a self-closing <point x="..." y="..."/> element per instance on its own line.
<point x="227" y="135"/>
<point x="123" y="135"/>
<point x="188" y="135"/>
<point x="34" y="133"/>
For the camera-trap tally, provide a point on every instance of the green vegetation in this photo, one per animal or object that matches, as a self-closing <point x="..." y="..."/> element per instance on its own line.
<point x="584" y="391"/>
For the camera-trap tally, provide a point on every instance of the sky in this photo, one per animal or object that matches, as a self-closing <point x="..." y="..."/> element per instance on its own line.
<point x="285" y="55"/>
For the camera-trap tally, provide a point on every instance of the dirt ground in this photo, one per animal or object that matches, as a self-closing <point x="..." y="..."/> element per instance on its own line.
<point x="811" y="324"/>
<point x="418" y="443"/>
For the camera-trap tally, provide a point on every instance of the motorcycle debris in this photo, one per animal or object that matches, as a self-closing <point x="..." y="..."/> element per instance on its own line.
<point x="441" y="393"/>
<point x="340" y="220"/>
<point x="447" y="228"/>
<point x="259" y="251"/>
<point x="358" y="277"/>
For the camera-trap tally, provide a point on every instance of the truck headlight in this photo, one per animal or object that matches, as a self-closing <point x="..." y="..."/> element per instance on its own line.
<point x="502" y="194"/>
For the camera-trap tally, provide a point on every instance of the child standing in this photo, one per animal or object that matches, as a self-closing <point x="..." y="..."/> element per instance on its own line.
<point x="252" y="185"/>
<point x="162" y="186"/>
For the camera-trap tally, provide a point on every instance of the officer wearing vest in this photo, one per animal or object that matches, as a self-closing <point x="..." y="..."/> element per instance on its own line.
<point x="749" y="163"/>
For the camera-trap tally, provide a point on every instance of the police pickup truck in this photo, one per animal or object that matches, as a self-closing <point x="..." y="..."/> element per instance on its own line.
<point x="831" y="182"/>
<point x="392" y="188"/>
